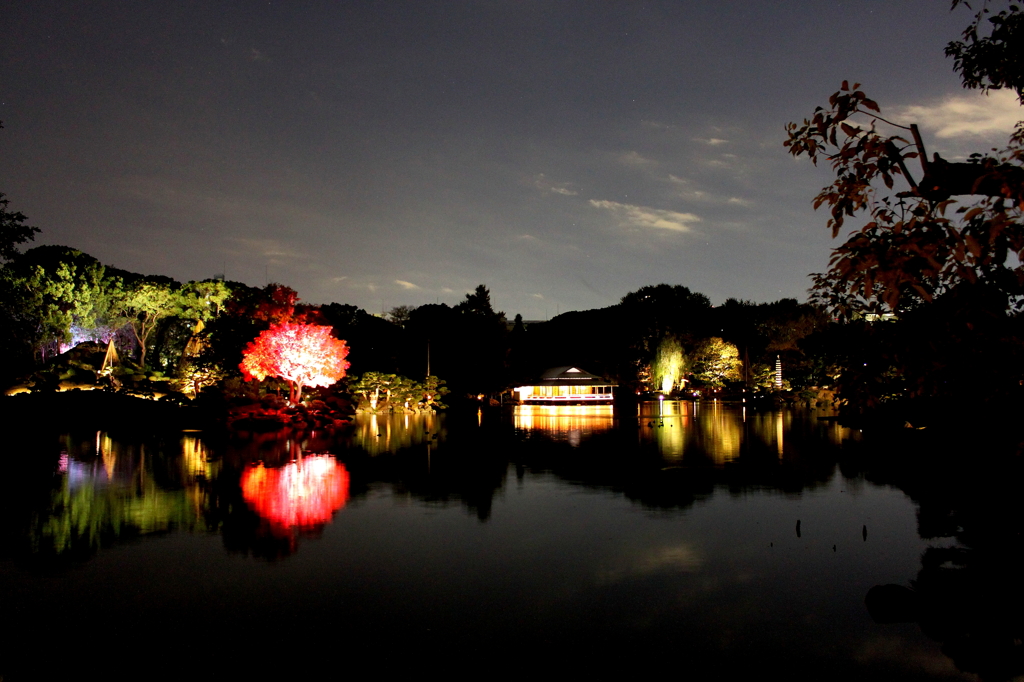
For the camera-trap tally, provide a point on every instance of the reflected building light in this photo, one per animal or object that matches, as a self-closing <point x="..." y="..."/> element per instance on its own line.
<point x="570" y="423"/>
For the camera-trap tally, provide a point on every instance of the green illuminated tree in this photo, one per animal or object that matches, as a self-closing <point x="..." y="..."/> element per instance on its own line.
<point x="669" y="365"/>
<point x="381" y="392"/>
<point x="49" y="290"/>
<point x="203" y="300"/>
<point x="181" y="340"/>
<point x="433" y="389"/>
<point x="143" y="306"/>
<point x="717" y="361"/>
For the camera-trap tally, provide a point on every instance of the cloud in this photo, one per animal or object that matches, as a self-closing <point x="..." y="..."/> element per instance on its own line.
<point x="542" y="183"/>
<point x="537" y="296"/>
<point x="646" y="217"/>
<point x="361" y="285"/>
<point x="266" y="248"/>
<point x="406" y="285"/>
<point x="696" y="195"/>
<point x="658" y="125"/>
<point x="968" y="115"/>
<point x="713" y="141"/>
<point x="684" y="190"/>
<point x="636" y="160"/>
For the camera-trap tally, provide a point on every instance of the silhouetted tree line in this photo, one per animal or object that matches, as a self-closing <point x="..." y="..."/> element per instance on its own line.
<point x="188" y="337"/>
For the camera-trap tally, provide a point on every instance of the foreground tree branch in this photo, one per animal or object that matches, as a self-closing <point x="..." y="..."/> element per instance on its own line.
<point x="918" y="243"/>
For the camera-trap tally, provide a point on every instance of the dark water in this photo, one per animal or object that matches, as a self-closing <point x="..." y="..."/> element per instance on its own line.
<point x="706" y="539"/>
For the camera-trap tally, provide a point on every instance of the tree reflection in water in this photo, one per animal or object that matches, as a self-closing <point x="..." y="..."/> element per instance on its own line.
<point x="968" y="593"/>
<point x="380" y="434"/>
<point x="103" y="489"/>
<point x="74" y="495"/>
<point x="301" y="495"/>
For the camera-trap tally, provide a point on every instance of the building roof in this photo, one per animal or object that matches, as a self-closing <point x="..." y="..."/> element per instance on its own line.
<point x="571" y="376"/>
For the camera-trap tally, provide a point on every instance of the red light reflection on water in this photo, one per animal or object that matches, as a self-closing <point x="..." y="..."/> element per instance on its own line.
<point x="302" y="494"/>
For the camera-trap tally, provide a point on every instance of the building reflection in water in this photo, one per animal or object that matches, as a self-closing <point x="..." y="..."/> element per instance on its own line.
<point x="300" y="495"/>
<point x="379" y="434"/>
<point x="568" y="423"/>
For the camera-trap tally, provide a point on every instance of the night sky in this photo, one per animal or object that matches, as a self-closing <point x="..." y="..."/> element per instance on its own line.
<point x="388" y="153"/>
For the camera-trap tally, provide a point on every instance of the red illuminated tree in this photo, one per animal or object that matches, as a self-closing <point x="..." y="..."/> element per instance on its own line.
<point x="302" y="354"/>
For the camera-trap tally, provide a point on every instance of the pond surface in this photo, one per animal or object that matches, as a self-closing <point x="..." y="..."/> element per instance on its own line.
<point x="701" y="536"/>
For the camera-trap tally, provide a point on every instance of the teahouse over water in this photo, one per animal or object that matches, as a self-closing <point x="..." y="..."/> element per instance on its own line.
<point x="568" y="385"/>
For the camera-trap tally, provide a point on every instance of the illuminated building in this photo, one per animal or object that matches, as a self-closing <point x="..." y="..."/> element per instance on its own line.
<point x="568" y="385"/>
